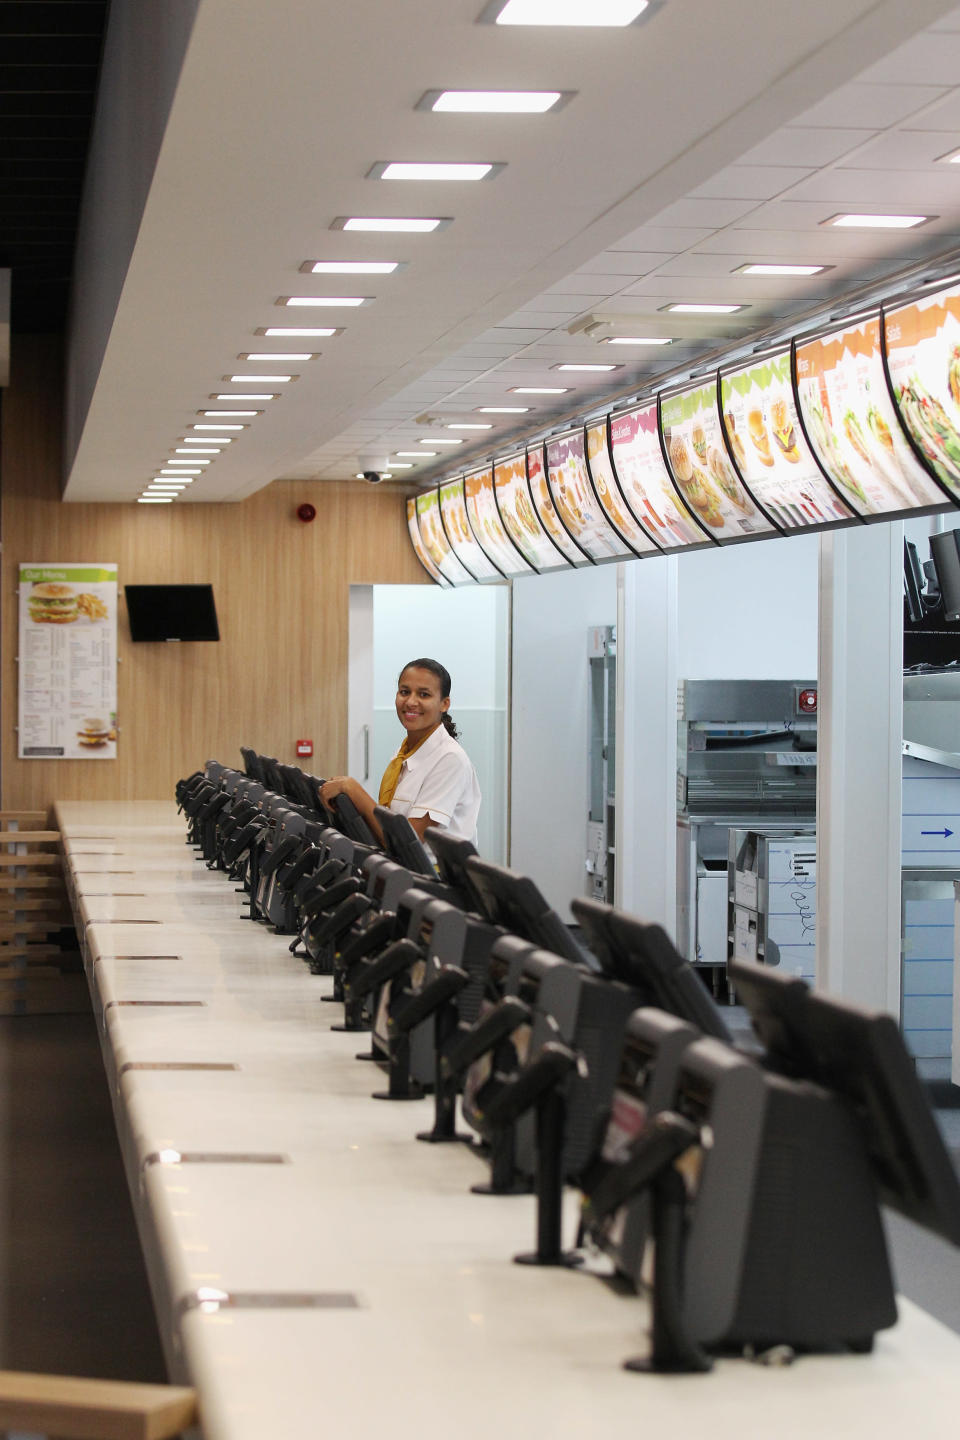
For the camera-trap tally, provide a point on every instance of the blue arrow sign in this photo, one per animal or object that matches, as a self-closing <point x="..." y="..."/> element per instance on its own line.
<point x="945" y="833"/>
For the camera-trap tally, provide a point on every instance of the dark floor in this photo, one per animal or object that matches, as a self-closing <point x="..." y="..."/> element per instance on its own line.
<point x="73" y="1290"/>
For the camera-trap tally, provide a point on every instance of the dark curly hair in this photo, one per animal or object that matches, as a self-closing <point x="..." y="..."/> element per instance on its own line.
<point x="443" y="675"/>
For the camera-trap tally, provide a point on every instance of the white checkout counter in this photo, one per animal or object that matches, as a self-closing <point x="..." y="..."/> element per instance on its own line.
<point x="315" y="1270"/>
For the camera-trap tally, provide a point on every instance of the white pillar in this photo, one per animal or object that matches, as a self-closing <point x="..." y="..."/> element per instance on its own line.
<point x="859" y="764"/>
<point x="646" y="768"/>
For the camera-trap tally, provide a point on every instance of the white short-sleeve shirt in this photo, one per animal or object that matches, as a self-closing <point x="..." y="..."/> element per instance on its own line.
<point x="439" y="780"/>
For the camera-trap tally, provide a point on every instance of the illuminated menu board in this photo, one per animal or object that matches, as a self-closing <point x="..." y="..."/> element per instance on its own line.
<point x="547" y="511"/>
<point x="519" y="517"/>
<point x="645" y="481"/>
<point x="577" y="505"/>
<point x="764" y="437"/>
<point x="701" y="468"/>
<point x="852" y="425"/>
<point x="418" y="546"/>
<point x="435" y="540"/>
<point x="453" y="511"/>
<point x="487" y="526"/>
<point x="922" y="341"/>
<point x="608" y="491"/>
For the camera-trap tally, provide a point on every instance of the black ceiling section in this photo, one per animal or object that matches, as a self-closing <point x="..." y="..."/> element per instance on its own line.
<point x="50" y="54"/>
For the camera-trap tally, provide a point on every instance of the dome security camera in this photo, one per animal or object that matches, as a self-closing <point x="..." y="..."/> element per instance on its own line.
<point x="372" y="477"/>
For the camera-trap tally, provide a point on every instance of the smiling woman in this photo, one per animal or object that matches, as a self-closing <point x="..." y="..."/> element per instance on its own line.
<point x="430" y="780"/>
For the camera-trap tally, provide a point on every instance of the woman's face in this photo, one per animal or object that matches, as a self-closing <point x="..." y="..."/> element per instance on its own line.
<point x="420" y="705"/>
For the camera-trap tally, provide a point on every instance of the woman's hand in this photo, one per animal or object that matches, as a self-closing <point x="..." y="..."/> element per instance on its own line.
<point x="341" y="785"/>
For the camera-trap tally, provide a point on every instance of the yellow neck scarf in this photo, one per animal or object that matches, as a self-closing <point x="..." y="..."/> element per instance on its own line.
<point x="391" y="776"/>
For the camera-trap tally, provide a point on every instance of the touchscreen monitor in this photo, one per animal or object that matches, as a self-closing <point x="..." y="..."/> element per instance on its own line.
<point x="922" y="341"/>
<point x="701" y="468"/>
<point x="519" y="517"/>
<point x="547" y="511"/>
<point x="768" y="447"/>
<point x="574" y="498"/>
<point x="852" y="425"/>
<point x="435" y="540"/>
<point x="645" y="481"/>
<point x="487" y="526"/>
<point x="608" y="492"/>
<point x="419" y="549"/>
<point x="453" y="513"/>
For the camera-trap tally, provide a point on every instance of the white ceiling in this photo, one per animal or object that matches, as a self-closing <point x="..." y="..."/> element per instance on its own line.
<point x="705" y="137"/>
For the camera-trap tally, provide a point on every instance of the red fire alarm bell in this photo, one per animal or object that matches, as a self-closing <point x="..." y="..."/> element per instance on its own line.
<point x="807" y="702"/>
<point x="304" y="749"/>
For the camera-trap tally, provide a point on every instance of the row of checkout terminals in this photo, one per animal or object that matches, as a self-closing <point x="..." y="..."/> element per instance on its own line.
<point x="739" y="1184"/>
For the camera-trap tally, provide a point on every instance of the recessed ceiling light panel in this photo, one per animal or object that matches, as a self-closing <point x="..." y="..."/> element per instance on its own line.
<point x="286" y="358"/>
<point x="215" y="413"/>
<point x="299" y="332"/>
<point x="763" y="269"/>
<point x="320" y="302"/>
<point x="565" y="12"/>
<point x="877" y="222"/>
<point x="503" y="409"/>
<point x="392" y="224"/>
<point x="435" y="169"/>
<point x="637" y="340"/>
<point x="466" y="425"/>
<point x="494" y="102"/>
<point x="585" y="367"/>
<point x="538" y="389"/>
<point x="260" y="379"/>
<point x="238" y="395"/>
<point x="351" y="267"/>
<point x="416" y="454"/>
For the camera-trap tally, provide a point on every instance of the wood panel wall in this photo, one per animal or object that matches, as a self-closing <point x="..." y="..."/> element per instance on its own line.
<point x="282" y="592"/>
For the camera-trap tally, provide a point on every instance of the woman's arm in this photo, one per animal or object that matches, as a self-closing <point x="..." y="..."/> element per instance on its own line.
<point x="346" y="785"/>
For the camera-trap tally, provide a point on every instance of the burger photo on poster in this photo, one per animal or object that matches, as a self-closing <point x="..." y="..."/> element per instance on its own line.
<point x="50" y="603"/>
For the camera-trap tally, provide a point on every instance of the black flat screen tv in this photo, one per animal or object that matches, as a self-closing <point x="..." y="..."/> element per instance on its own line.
<point x="171" y="612"/>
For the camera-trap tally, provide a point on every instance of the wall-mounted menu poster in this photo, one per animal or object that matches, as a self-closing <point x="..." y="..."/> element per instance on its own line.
<point x="606" y="485"/>
<point x="519" y="516"/>
<point x="577" y="506"/>
<point x="488" y="527"/>
<point x="453" y="511"/>
<point x="763" y="432"/>
<point x="923" y="355"/>
<point x="850" y="419"/>
<point x="547" y="511"/>
<point x="645" y="481"/>
<point x="701" y="468"/>
<point x="67" y="703"/>
<point x="413" y="530"/>
<point x="435" y="540"/>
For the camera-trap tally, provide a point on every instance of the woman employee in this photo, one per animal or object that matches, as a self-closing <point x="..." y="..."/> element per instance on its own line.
<point x="430" y="779"/>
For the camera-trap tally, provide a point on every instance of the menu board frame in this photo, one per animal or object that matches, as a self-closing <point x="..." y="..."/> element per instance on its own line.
<point x="653" y="402"/>
<point x="478" y="579"/>
<point x="574" y="432"/>
<point x="634" y="552"/>
<point x="525" y="568"/>
<point x="926" y="292"/>
<point x="757" y="359"/>
<point x="458" y="565"/>
<point x="520" y="457"/>
<point x="850" y="322"/>
<point x="587" y="557"/>
<point x="419" y="549"/>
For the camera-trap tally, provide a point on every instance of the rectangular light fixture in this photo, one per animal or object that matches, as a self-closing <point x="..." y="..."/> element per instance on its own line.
<point x="259" y="379"/>
<point x="503" y="409"/>
<point x="214" y="413"/>
<point x="170" y="485"/>
<point x="418" y="454"/>
<point x="467" y="425"/>
<point x="195" y="460"/>
<point x="441" y="442"/>
<point x="298" y="332"/>
<point x="637" y="340"/>
<point x="206" y="440"/>
<point x="155" y="500"/>
<point x="538" y="389"/>
<point x="323" y="301"/>
<point x="877" y="222"/>
<point x="212" y="451"/>
<point x="584" y="367"/>
<point x="402" y="466"/>
<point x="218" y="427"/>
<point x="689" y="308"/>
<point x="434" y="169"/>
<point x="780" y="269"/>
<point x="566" y="12"/>
<point x="286" y="357"/>
<point x="188" y="473"/>
<point x="238" y="395"/>
<point x="491" y="102"/>
<point x="391" y="224"/>
<point x="351" y="267"/>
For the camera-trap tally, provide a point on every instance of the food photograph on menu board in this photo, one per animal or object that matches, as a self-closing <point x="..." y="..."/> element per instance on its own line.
<point x="453" y="512"/>
<point x="547" y="511"/>
<point x="413" y="529"/>
<point x="608" y="491"/>
<point x="520" y="518"/>
<point x="701" y="468"/>
<point x="922" y="342"/>
<point x="488" y="527"/>
<point x="577" y="505"/>
<point x="435" y="540"/>
<point x="762" y="428"/>
<point x="645" y="481"/>
<point x="851" y="423"/>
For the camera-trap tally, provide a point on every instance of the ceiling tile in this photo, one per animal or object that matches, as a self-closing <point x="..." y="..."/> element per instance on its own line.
<point x="580" y="284"/>
<point x="712" y="213"/>
<point x="876" y="106"/>
<point x="750" y="182"/>
<point x="945" y="115"/>
<point x="903" y="150"/>
<point x="923" y="60"/>
<point x="899" y="190"/>
<point x="625" y="262"/>
<point x="804" y="145"/>
<point x="660" y="237"/>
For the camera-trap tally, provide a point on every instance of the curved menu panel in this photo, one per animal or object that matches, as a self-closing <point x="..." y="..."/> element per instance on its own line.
<point x="577" y="506"/>
<point x="413" y="530"/>
<point x="701" y="468"/>
<point x="922" y="341"/>
<point x="453" y="512"/>
<point x="487" y="526"/>
<point x="645" y="481"/>
<point x="762" y="427"/>
<point x="547" y="511"/>
<point x="852" y="425"/>
<point x="608" y="491"/>
<point x="519" y="517"/>
<point x="435" y="540"/>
